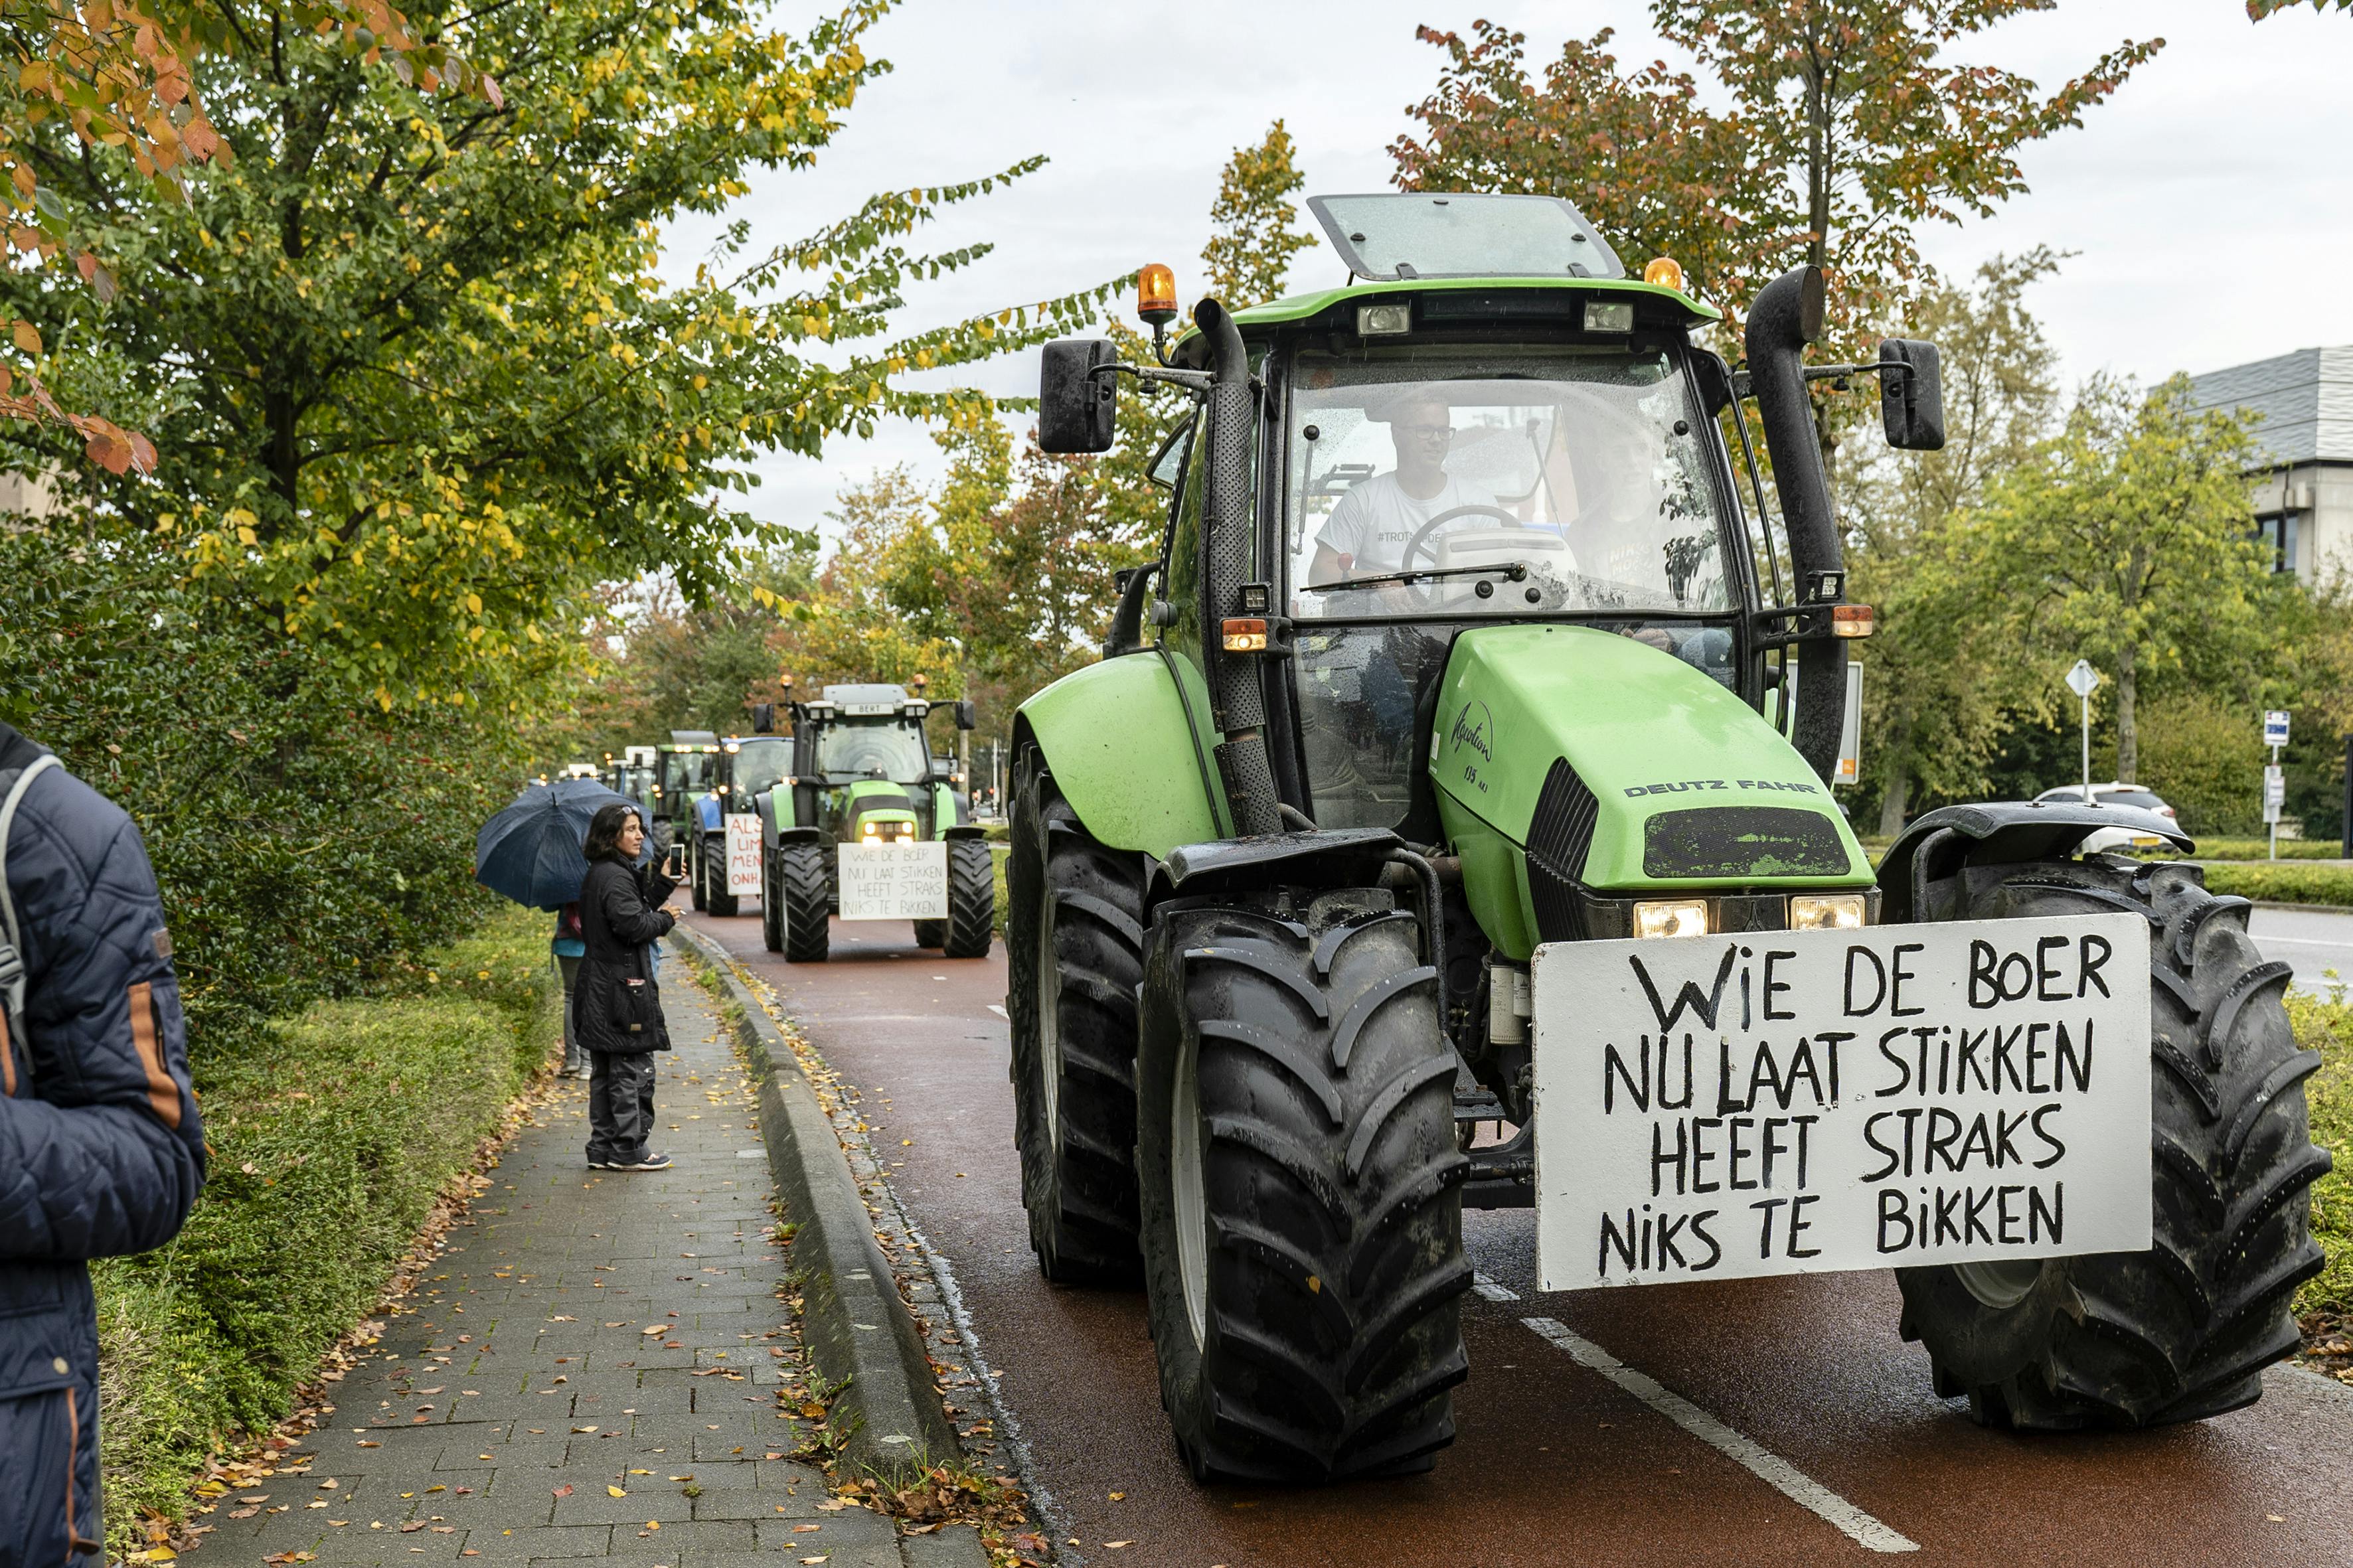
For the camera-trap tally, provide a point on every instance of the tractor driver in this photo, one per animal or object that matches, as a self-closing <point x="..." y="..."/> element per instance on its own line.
<point x="1374" y="522"/>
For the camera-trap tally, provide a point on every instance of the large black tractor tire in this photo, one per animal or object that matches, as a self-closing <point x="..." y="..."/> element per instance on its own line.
<point x="972" y="899"/>
<point x="1301" y="1193"/>
<point x="2183" y="1330"/>
<point x="931" y="933"/>
<point x="806" y="899"/>
<point x="715" y="896"/>
<point x="772" y="905"/>
<point x="695" y="873"/>
<point x="1074" y="940"/>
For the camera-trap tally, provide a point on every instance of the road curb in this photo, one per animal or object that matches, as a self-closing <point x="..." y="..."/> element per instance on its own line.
<point x="859" y="1333"/>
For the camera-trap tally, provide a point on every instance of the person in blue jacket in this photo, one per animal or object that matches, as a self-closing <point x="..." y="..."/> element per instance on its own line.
<point x="100" y="1149"/>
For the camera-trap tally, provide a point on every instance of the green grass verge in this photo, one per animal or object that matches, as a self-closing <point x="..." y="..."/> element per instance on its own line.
<point x="2259" y="850"/>
<point x="2285" y="883"/>
<point x="2327" y="1027"/>
<point x="332" y="1133"/>
<point x="1000" y="853"/>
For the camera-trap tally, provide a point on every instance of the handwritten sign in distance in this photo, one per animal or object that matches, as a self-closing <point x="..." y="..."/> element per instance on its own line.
<point x="1793" y="1102"/>
<point x="904" y="880"/>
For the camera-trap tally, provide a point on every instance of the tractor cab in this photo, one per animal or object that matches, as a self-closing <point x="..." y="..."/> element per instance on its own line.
<point x="1449" y="823"/>
<point x="683" y="767"/>
<point x="631" y="774"/>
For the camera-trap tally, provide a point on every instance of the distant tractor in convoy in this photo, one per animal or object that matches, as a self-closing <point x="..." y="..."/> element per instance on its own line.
<point x="631" y="774"/>
<point x="684" y="769"/>
<point x="1449" y="823"/>
<point x="866" y="823"/>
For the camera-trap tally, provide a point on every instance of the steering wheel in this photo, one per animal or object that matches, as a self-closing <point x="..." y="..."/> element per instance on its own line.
<point x="1421" y="535"/>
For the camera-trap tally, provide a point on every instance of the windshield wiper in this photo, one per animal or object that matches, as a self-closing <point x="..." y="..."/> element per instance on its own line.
<point x="1512" y="572"/>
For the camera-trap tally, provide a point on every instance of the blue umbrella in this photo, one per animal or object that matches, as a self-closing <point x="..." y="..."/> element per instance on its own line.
<point x="531" y="851"/>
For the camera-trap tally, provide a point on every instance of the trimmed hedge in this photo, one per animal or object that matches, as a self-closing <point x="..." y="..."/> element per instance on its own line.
<point x="2327" y="1027"/>
<point x="332" y="1133"/>
<point x="2260" y="849"/>
<point x="2284" y="883"/>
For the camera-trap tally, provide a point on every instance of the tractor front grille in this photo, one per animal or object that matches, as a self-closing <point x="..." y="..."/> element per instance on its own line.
<point x="1559" y="835"/>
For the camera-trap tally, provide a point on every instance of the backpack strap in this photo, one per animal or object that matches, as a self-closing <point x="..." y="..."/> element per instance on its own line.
<point x="12" y="963"/>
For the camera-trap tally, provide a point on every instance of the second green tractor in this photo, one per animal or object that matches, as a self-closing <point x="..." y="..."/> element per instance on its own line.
<point x="861" y="820"/>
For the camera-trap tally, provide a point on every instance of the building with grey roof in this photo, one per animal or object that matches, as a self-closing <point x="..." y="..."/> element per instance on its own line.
<point x="2303" y="496"/>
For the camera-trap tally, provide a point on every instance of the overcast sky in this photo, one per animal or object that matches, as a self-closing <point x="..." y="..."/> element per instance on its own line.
<point x="2210" y="203"/>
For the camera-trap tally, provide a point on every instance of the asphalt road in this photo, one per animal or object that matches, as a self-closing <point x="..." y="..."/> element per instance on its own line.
<point x="2314" y="939"/>
<point x="1611" y="1431"/>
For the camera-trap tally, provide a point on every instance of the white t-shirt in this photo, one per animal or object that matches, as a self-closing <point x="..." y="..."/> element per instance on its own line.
<point x="1376" y="521"/>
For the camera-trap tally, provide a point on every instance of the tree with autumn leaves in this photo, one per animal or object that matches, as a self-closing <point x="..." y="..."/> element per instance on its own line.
<point x="1815" y="132"/>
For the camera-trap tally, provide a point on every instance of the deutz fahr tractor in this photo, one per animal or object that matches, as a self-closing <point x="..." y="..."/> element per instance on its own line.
<point x="1448" y="825"/>
<point x="869" y="824"/>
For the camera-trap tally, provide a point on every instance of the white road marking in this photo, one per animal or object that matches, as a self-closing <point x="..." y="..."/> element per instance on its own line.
<point x="1491" y="1290"/>
<point x="1000" y="1012"/>
<point x="1770" y="1468"/>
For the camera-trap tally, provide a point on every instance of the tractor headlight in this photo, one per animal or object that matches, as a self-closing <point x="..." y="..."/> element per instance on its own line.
<point x="1826" y="911"/>
<point x="1672" y="917"/>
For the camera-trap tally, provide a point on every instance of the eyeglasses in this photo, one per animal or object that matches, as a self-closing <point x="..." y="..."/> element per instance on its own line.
<point x="1425" y="432"/>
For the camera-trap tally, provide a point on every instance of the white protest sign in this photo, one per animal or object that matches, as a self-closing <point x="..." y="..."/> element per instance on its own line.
<point x="743" y="852"/>
<point x="1788" y="1102"/>
<point x="904" y="880"/>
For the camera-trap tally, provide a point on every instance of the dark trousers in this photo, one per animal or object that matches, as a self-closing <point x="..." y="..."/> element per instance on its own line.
<point x="570" y="968"/>
<point x="620" y="1106"/>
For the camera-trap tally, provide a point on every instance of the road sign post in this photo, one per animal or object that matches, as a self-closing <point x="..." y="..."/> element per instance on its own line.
<point x="2082" y="680"/>
<point x="2274" y="781"/>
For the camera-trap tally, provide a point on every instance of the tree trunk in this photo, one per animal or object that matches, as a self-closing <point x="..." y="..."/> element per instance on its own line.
<point x="2128" y="731"/>
<point x="1892" y="805"/>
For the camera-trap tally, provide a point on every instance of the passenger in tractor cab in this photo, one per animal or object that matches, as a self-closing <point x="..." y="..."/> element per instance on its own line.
<point x="1372" y="524"/>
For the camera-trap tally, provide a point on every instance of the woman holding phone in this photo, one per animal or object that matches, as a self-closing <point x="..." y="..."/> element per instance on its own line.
<point x="618" y="1014"/>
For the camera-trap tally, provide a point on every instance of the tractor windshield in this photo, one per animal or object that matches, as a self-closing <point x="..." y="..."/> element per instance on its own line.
<point x="1508" y="480"/>
<point x="849" y="751"/>
<point x="685" y="773"/>
<point x="761" y="764"/>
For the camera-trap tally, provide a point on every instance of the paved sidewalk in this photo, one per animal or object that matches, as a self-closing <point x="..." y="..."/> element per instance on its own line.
<point x="519" y="1385"/>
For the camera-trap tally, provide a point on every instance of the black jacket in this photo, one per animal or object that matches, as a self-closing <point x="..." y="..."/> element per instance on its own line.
<point x="101" y="1149"/>
<point x="619" y="914"/>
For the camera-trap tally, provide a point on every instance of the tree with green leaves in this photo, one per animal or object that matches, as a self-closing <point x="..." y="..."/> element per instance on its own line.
<point x="1251" y="240"/>
<point x="2128" y="540"/>
<point x="1822" y="131"/>
<point x="412" y="370"/>
<point x="1936" y="691"/>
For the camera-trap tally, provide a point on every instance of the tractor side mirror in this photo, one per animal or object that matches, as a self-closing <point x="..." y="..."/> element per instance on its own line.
<point x="764" y="717"/>
<point x="1078" y="409"/>
<point x="1911" y="398"/>
<point x="967" y="717"/>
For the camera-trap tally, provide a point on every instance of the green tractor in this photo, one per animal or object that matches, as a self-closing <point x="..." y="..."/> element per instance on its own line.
<point x="683" y="767"/>
<point x="723" y="851"/>
<point x="867" y="823"/>
<point x="1449" y="824"/>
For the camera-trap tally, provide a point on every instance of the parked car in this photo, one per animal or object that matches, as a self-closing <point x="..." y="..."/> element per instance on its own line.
<point x="2114" y="793"/>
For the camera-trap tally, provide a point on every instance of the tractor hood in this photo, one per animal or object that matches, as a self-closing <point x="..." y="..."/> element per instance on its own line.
<point x="1617" y="765"/>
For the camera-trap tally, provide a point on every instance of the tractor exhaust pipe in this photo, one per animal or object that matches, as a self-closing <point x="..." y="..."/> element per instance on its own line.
<point x="1787" y="317"/>
<point x="1237" y="705"/>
